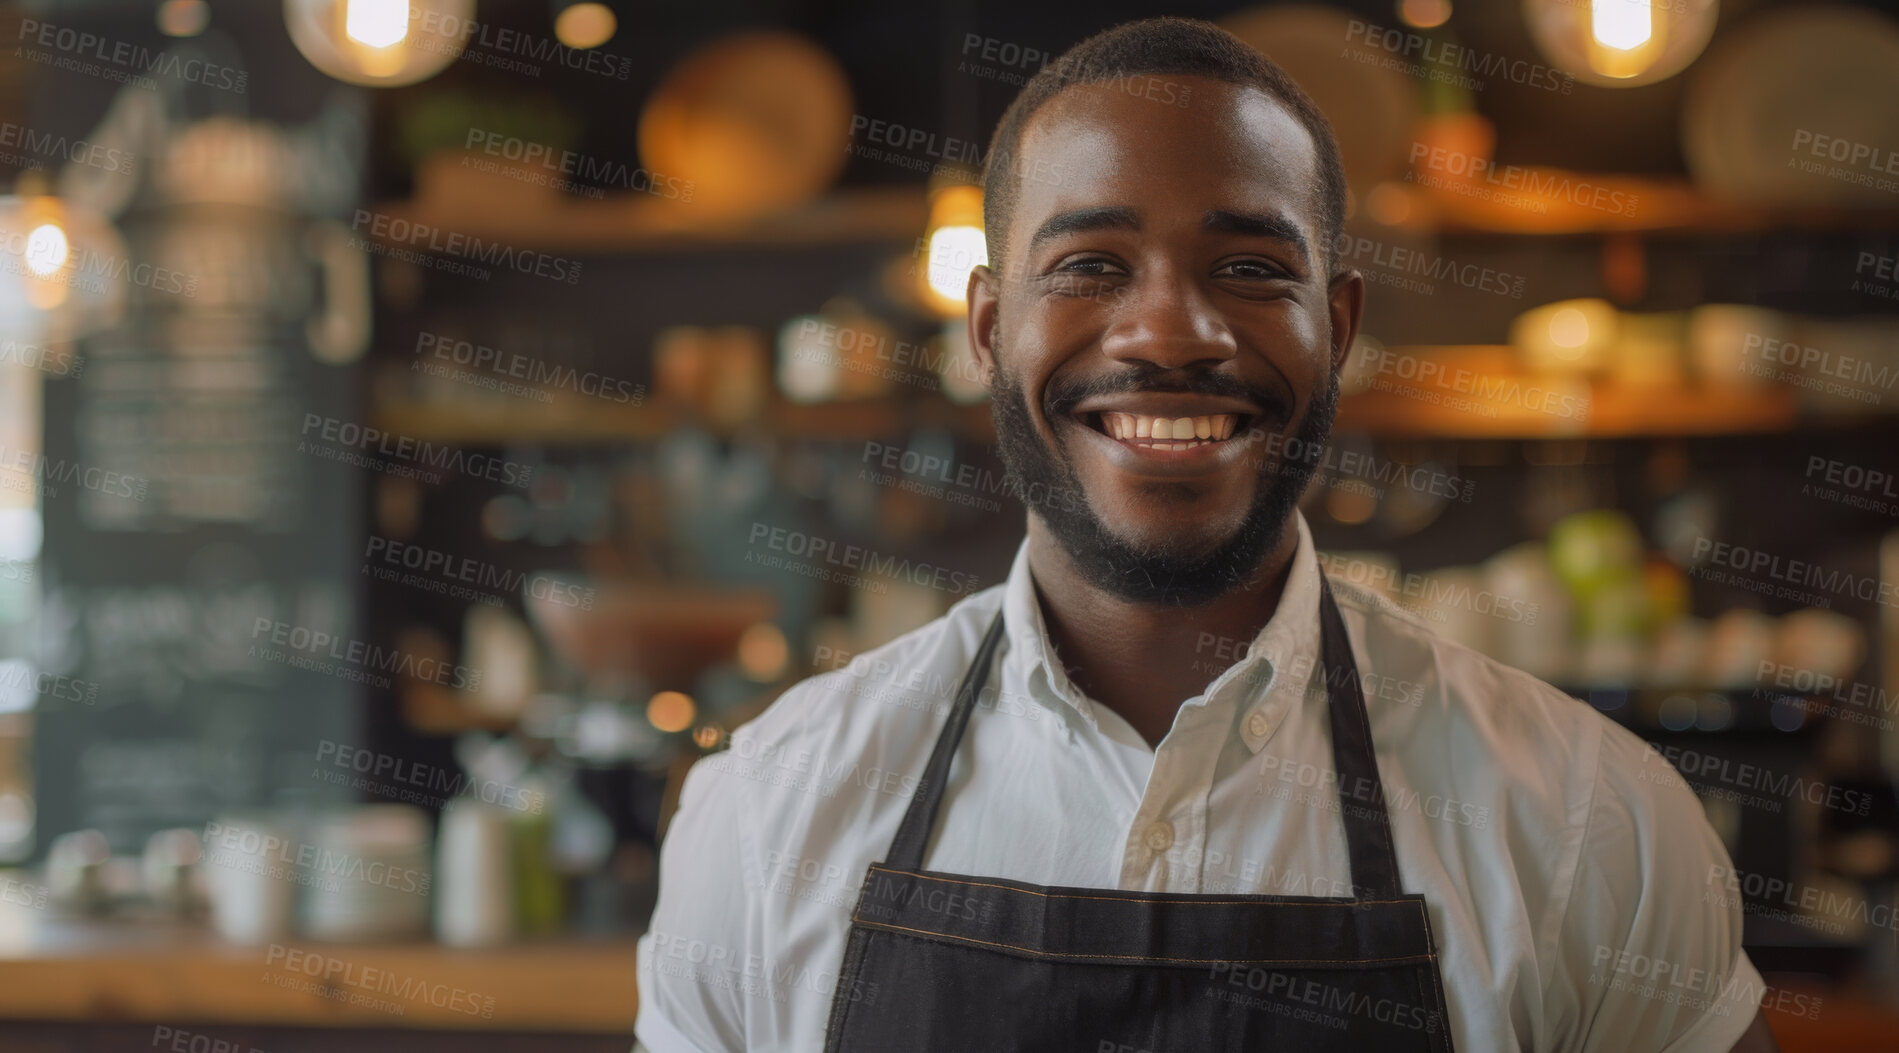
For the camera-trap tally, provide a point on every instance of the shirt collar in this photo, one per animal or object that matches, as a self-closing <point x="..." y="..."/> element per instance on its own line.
<point x="1272" y="671"/>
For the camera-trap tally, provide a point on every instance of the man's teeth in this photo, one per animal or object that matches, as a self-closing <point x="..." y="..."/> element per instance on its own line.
<point x="1210" y="428"/>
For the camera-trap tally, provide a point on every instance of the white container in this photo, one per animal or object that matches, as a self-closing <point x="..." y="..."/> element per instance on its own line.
<point x="474" y="900"/>
<point x="252" y="891"/>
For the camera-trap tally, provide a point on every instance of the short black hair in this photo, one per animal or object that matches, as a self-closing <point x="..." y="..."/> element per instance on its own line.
<point x="1151" y="47"/>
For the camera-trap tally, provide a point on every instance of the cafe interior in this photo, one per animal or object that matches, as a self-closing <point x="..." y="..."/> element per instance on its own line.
<point x="428" y="427"/>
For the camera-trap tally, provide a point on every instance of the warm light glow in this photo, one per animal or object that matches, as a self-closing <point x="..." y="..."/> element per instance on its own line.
<point x="1424" y="14"/>
<point x="183" y="18"/>
<point x="1621" y="24"/>
<point x="671" y="711"/>
<point x="585" y="25"/>
<point x="376" y="23"/>
<point x="1388" y="203"/>
<point x="762" y="651"/>
<point x="954" y="252"/>
<point x="46" y="250"/>
<point x="1569" y="327"/>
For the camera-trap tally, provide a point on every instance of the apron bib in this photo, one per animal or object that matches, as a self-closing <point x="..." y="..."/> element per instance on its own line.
<point x="987" y="965"/>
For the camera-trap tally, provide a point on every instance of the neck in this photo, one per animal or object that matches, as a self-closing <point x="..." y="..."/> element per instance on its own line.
<point x="1141" y="660"/>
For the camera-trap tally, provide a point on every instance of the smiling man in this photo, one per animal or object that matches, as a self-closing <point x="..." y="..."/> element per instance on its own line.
<point x="1057" y="818"/>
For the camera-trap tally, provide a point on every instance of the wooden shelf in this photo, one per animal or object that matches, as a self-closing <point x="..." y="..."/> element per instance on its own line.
<point x="1660" y="206"/>
<point x="606" y="422"/>
<point x="1612" y="413"/>
<point x="147" y="970"/>
<point x="640" y="223"/>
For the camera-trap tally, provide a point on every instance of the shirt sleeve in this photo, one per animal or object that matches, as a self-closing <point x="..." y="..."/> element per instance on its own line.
<point x="690" y="961"/>
<point x="1649" y="955"/>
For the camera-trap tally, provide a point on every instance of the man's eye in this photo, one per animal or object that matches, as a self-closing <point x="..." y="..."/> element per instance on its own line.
<point x="1252" y="269"/>
<point x="1094" y="265"/>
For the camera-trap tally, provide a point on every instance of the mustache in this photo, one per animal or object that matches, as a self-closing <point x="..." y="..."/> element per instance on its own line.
<point x="1060" y="398"/>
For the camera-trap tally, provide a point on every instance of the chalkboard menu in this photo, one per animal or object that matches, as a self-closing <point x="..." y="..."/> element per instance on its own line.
<point x="189" y="529"/>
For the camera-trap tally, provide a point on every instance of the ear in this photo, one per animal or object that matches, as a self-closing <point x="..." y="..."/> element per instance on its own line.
<point x="984" y="296"/>
<point x="1345" y="302"/>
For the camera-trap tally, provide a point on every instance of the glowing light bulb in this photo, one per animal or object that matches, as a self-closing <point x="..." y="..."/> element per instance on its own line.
<point x="46" y="250"/>
<point x="376" y="23"/>
<point x="954" y="252"/>
<point x="1621" y="24"/>
<point x="671" y="711"/>
<point x="585" y="26"/>
<point x="1569" y="328"/>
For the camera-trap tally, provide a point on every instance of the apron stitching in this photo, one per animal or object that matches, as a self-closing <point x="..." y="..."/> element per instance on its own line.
<point x="1032" y="952"/>
<point x="1134" y="897"/>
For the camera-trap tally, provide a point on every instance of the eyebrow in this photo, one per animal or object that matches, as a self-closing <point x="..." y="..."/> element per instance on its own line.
<point x="1081" y="220"/>
<point x="1117" y="217"/>
<point x="1268" y="225"/>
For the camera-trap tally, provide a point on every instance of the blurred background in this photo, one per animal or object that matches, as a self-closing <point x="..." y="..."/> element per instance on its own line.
<point x="428" y="427"/>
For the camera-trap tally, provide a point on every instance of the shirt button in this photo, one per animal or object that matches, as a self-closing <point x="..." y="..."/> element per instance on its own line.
<point x="1258" y="725"/>
<point x="1159" y="837"/>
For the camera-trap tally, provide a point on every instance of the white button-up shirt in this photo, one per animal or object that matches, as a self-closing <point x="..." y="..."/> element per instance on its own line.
<point x="1572" y="880"/>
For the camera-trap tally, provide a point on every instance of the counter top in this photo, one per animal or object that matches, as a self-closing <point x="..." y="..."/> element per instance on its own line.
<point x="54" y="968"/>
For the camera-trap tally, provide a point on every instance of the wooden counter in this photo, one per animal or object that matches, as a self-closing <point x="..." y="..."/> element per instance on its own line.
<point x="55" y="969"/>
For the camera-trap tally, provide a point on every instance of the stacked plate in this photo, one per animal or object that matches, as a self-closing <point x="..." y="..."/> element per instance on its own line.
<point x="366" y="875"/>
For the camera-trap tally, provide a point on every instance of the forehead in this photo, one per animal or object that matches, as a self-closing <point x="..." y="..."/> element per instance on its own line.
<point x="1134" y="143"/>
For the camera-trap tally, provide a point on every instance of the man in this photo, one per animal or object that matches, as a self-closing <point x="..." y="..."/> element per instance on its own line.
<point x="1354" y="837"/>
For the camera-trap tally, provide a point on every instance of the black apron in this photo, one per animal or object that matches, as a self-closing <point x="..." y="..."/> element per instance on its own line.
<point x="987" y="965"/>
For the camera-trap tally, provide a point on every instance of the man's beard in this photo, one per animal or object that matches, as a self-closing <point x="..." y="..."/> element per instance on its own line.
<point x="1151" y="574"/>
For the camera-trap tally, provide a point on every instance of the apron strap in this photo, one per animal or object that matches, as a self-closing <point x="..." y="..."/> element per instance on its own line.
<point x="1361" y="794"/>
<point x="906" y="851"/>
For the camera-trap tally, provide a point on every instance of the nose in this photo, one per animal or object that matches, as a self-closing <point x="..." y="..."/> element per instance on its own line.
<point x="1165" y="318"/>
